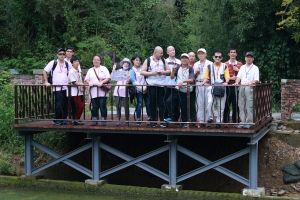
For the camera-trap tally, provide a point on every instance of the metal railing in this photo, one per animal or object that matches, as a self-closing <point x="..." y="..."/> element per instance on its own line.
<point x="34" y="102"/>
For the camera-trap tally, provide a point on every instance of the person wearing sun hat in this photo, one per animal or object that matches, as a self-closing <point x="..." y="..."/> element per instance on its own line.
<point x="120" y="91"/>
<point x="248" y="76"/>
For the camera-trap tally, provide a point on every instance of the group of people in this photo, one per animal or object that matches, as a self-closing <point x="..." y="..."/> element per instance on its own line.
<point x="170" y="88"/>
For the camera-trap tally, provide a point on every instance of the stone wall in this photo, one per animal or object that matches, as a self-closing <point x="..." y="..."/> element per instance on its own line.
<point x="290" y="96"/>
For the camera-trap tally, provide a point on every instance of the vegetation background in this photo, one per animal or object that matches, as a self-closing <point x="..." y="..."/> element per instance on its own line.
<point x="32" y="30"/>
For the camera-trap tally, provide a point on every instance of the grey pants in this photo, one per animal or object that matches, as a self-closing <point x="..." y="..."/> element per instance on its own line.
<point x="246" y="104"/>
<point x="119" y="102"/>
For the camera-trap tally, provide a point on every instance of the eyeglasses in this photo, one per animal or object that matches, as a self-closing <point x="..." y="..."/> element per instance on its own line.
<point x="218" y="57"/>
<point x="61" y="54"/>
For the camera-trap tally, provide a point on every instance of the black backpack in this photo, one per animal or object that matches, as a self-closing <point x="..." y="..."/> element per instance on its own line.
<point x="50" y="77"/>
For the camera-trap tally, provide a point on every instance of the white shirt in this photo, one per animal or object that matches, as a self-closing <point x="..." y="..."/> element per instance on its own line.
<point x="171" y="64"/>
<point x="248" y="73"/>
<point x="156" y="66"/>
<point x="202" y="67"/>
<point x="75" y="76"/>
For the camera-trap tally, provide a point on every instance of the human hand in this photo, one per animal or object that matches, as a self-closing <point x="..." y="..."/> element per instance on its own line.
<point x="235" y="68"/>
<point x="225" y="83"/>
<point x="100" y="84"/>
<point x="180" y="83"/>
<point x="154" y="73"/>
<point x="91" y="84"/>
<point x="47" y="84"/>
<point x="114" y="66"/>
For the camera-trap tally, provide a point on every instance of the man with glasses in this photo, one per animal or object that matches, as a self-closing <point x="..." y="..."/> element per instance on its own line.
<point x="201" y="90"/>
<point x="233" y="68"/>
<point x="248" y="76"/>
<point x="216" y="74"/>
<point x="156" y="74"/>
<point x="59" y="69"/>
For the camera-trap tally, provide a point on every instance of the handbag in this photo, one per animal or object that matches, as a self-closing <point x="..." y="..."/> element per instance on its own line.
<point x="105" y="87"/>
<point x="218" y="91"/>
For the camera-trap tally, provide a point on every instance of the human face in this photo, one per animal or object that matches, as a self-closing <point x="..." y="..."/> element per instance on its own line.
<point x="69" y="54"/>
<point x="184" y="60"/>
<point x="96" y="61"/>
<point x="61" y="55"/>
<point x="201" y="56"/>
<point x="232" y="54"/>
<point x="217" y="57"/>
<point x="136" y="62"/>
<point x="249" y="60"/>
<point x="75" y="64"/>
<point x="171" y="51"/>
<point x="192" y="57"/>
<point x="158" y="54"/>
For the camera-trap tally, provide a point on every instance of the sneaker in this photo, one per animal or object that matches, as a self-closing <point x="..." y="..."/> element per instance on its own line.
<point x="247" y="126"/>
<point x="78" y="123"/>
<point x="184" y="125"/>
<point x="240" y="126"/>
<point x="218" y="126"/>
<point x="64" y="122"/>
<point x="210" y="121"/>
<point x="226" y="126"/>
<point x="138" y="123"/>
<point x="164" y="125"/>
<point x="103" y="124"/>
<point x="119" y="123"/>
<point x="57" y="123"/>
<point x="94" y="123"/>
<point x="168" y="119"/>
<point x="152" y="125"/>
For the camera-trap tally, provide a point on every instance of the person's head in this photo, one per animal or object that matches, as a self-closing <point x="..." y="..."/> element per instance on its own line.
<point x="158" y="52"/>
<point x="75" y="62"/>
<point x="69" y="52"/>
<point x="171" y="51"/>
<point x="249" y="57"/>
<point x="218" y="56"/>
<point x="184" y="58"/>
<point x="125" y="64"/>
<point x="232" y="53"/>
<point x="136" y="60"/>
<point x="201" y="54"/>
<point x="96" y="61"/>
<point x="192" y="57"/>
<point x="61" y="52"/>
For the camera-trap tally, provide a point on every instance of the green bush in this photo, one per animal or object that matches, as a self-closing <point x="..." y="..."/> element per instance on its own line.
<point x="5" y="166"/>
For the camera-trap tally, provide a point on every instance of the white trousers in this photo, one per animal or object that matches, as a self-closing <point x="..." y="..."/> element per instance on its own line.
<point x="210" y="106"/>
<point x="201" y="103"/>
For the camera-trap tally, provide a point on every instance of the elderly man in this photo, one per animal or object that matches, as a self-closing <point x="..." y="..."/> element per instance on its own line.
<point x="59" y="69"/>
<point x="201" y="90"/>
<point x="248" y="76"/>
<point x="155" y="69"/>
<point x="184" y="74"/>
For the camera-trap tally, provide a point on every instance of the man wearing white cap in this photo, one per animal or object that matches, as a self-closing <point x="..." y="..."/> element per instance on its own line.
<point x="184" y="74"/>
<point x="201" y="90"/>
<point x="248" y="76"/>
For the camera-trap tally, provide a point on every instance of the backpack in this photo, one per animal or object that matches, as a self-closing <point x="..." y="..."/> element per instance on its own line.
<point x="50" y="77"/>
<point x="148" y="64"/>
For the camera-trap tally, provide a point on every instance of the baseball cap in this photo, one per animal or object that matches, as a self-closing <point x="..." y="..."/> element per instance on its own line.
<point x="250" y="53"/>
<point x="184" y="55"/>
<point x="60" y="49"/>
<point x="202" y="50"/>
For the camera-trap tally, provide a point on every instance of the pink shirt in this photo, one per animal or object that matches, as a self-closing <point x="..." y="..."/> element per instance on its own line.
<point x="60" y="74"/>
<point x="102" y="73"/>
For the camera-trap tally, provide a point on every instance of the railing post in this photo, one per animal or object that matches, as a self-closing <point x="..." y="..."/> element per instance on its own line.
<point x="126" y="106"/>
<point x="16" y="104"/>
<point x="188" y="105"/>
<point x="254" y="103"/>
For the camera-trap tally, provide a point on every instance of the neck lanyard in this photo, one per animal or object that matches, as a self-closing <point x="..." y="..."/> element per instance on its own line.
<point x="217" y="70"/>
<point x="61" y="67"/>
<point x="79" y="75"/>
<point x="248" y="70"/>
<point x="156" y="62"/>
<point x="184" y="71"/>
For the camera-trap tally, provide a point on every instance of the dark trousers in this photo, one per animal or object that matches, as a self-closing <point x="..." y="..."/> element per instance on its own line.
<point x="156" y="97"/>
<point x="99" y="102"/>
<point x="231" y="99"/>
<point x="173" y="105"/>
<point x="61" y="104"/>
<point x="193" y="112"/>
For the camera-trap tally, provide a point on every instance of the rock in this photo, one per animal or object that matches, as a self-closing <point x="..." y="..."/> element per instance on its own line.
<point x="296" y="131"/>
<point x="297" y="164"/>
<point x="291" y="169"/>
<point x="290" y="179"/>
<point x="282" y="127"/>
<point x="287" y="132"/>
<point x="274" y="174"/>
<point x="281" y="192"/>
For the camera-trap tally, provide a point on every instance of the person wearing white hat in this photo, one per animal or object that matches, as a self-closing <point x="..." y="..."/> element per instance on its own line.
<point x="120" y="91"/>
<point x="201" y="90"/>
<point x="184" y="74"/>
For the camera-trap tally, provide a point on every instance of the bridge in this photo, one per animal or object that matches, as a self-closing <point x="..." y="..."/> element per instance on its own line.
<point x="34" y="110"/>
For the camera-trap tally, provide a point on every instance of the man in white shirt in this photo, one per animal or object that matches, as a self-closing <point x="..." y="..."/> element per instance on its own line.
<point x="59" y="77"/>
<point x="248" y="76"/>
<point x="201" y="103"/>
<point x="156" y="73"/>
